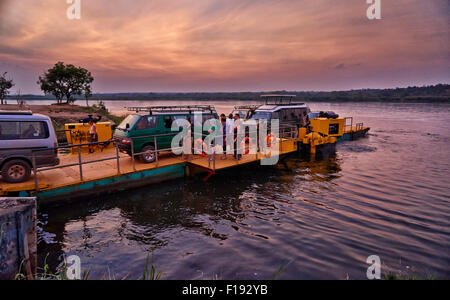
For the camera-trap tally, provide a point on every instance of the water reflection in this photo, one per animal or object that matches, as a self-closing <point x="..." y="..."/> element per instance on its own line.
<point x="385" y="195"/>
<point x="144" y="215"/>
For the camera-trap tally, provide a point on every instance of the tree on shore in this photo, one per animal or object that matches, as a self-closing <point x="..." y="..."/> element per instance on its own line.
<point x="5" y="86"/>
<point x="65" y="81"/>
<point x="87" y="95"/>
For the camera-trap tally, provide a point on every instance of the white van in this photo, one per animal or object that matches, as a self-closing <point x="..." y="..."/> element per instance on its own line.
<point x="21" y="134"/>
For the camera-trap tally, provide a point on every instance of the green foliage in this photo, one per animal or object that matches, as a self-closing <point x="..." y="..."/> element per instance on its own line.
<point x="5" y="86"/>
<point x="45" y="274"/>
<point x="100" y="106"/>
<point x="412" y="276"/>
<point x="66" y="81"/>
<point x="280" y="270"/>
<point x="100" y="109"/>
<point x="151" y="274"/>
<point x="2" y="232"/>
<point x="434" y="93"/>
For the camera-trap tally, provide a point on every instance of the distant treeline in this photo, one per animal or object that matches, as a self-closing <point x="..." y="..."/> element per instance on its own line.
<point x="435" y="93"/>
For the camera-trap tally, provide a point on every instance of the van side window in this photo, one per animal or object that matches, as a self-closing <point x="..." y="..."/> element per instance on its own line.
<point x="198" y="122"/>
<point x="33" y="130"/>
<point x="9" y="130"/>
<point x="281" y="114"/>
<point x="179" y="118"/>
<point x="147" y="122"/>
<point x="23" y="130"/>
<point x="167" y="122"/>
<point x="207" y="117"/>
<point x="174" y="118"/>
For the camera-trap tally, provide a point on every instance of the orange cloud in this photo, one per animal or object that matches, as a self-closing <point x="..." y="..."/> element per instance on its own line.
<point x="202" y="45"/>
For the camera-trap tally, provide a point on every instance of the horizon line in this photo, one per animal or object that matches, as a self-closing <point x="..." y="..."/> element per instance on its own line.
<point x="252" y="92"/>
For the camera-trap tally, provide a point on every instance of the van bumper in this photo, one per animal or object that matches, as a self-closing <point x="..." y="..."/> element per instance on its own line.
<point x="124" y="148"/>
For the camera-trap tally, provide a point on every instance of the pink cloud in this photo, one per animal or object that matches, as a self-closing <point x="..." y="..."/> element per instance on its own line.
<point x="205" y="45"/>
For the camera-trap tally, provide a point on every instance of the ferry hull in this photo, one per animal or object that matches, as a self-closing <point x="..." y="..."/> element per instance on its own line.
<point x="108" y="185"/>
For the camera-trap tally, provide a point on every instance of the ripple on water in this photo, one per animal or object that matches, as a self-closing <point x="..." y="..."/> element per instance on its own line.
<point x="387" y="195"/>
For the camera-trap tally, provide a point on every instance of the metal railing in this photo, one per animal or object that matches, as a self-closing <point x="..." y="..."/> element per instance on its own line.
<point x="288" y="133"/>
<point x="359" y="126"/>
<point x="156" y="151"/>
<point x="177" y="108"/>
<point x="348" y="127"/>
<point x="80" y="162"/>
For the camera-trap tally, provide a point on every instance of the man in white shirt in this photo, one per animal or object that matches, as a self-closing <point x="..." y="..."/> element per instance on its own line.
<point x="230" y="131"/>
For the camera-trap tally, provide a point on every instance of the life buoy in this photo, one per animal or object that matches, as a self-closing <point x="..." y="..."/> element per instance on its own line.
<point x="244" y="144"/>
<point x="270" y="141"/>
<point x="202" y="146"/>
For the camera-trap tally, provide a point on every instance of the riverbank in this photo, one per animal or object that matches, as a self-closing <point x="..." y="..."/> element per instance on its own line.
<point x="379" y="196"/>
<point x="439" y="93"/>
<point x="67" y="113"/>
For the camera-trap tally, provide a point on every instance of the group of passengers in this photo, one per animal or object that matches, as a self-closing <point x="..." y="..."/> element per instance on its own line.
<point x="230" y="128"/>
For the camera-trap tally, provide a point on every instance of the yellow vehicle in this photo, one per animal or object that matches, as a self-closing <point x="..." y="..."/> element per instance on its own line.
<point x="328" y="127"/>
<point x="78" y="133"/>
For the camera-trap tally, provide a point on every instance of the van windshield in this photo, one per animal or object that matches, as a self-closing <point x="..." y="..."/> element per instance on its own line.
<point x="262" y="115"/>
<point x="241" y="113"/>
<point x="131" y="119"/>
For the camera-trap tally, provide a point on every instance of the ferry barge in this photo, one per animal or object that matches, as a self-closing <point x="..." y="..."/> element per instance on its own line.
<point x="111" y="169"/>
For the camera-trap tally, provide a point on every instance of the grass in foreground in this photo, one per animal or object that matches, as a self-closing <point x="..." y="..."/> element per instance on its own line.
<point x="412" y="276"/>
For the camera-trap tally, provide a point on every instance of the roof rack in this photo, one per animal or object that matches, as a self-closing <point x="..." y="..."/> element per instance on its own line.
<point x="252" y="107"/>
<point x="280" y="100"/>
<point x="177" y="108"/>
<point x="278" y="96"/>
<point x="16" y="112"/>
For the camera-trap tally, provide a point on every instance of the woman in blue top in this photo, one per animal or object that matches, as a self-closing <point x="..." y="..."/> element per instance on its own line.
<point x="223" y="120"/>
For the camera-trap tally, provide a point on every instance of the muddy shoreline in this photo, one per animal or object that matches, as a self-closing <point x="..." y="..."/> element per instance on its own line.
<point x="67" y="113"/>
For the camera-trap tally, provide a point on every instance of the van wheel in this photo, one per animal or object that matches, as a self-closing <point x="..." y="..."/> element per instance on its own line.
<point x="148" y="155"/>
<point x="15" y="171"/>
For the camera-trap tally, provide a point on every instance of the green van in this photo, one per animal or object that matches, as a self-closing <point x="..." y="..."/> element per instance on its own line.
<point x="148" y="124"/>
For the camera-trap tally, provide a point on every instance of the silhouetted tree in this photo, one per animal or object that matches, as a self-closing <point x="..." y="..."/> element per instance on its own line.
<point x="87" y="94"/>
<point x="65" y="81"/>
<point x="5" y="86"/>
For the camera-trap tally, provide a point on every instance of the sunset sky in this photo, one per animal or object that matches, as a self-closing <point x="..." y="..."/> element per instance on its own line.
<point x="228" y="45"/>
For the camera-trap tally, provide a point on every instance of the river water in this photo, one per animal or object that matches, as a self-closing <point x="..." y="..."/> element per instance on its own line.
<point x="385" y="195"/>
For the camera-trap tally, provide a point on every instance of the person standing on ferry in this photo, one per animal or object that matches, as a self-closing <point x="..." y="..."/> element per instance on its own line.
<point x="223" y="121"/>
<point x="93" y="136"/>
<point x="230" y="130"/>
<point x="236" y="131"/>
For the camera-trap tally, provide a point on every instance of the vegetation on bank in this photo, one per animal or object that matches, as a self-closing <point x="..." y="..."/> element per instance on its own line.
<point x="150" y="273"/>
<point x="95" y="110"/>
<point x="74" y="83"/>
<point x="100" y="109"/>
<point x="5" y="86"/>
<point x="66" y="81"/>
<point x="434" y="93"/>
<point x="412" y="276"/>
<point x="65" y="113"/>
